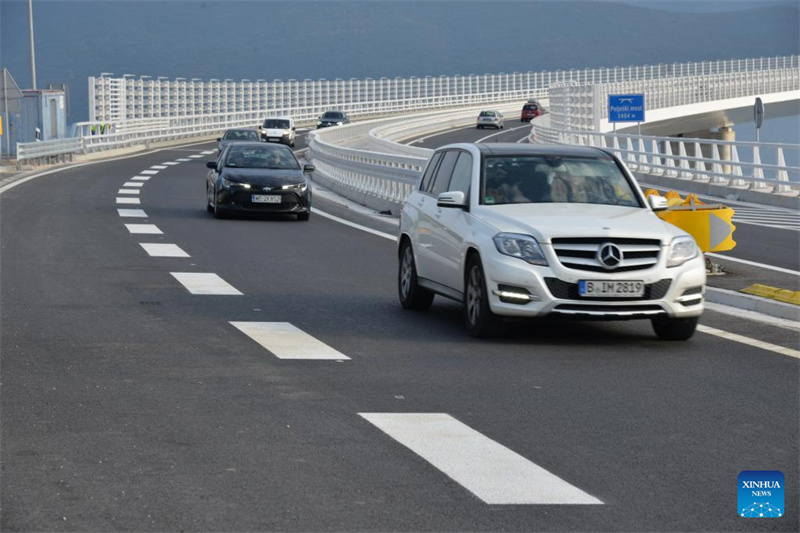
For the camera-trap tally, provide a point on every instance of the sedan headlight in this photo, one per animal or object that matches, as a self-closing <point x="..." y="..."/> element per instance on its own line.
<point x="301" y="187"/>
<point x="228" y="184"/>
<point x="682" y="249"/>
<point x="520" y="246"/>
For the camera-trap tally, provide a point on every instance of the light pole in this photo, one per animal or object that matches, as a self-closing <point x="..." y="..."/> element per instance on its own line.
<point x="33" y="53"/>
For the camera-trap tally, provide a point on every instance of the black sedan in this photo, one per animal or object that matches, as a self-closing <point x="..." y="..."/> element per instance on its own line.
<point x="254" y="177"/>
<point x="332" y="118"/>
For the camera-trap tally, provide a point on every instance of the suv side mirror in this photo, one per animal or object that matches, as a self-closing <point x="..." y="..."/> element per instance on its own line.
<point x="219" y="138"/>
<point x="452" y="199"/>
<point x="211" y="164"/>
<point x="309" y="168"/>
<point x="657" y="203"/>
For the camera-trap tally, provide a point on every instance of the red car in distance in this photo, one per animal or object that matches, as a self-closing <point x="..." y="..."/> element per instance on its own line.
<point x="531" y="111"/>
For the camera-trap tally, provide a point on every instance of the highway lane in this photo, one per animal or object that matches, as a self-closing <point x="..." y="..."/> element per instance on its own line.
<point x="129" y="403"/>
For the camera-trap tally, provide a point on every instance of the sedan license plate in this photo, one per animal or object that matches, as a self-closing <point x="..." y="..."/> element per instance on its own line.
<point x="610" y="289"/>
<point x="266" y="199"/>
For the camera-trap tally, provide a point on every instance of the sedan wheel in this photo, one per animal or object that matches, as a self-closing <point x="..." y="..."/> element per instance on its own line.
<point x="481" y="322"/>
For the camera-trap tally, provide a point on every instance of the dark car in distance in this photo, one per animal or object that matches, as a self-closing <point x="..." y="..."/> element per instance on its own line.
<point x="332" y="118"/>
<point x="256" y="177"/>
<point x="237" y="135"/>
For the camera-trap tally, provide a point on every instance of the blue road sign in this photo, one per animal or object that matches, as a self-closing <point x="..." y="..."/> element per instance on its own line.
<point x="626" y="108"/>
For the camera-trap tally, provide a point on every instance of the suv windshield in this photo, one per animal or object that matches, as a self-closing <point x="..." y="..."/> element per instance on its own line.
<point x="334" y="115"/>
<point x="240" y="135"/>
<point x="267" y="156"/>
<point x="555" y="179"/>
<point x="276" y="124"/>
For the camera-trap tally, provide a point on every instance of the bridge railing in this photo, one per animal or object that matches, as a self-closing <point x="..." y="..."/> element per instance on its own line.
<point x="739" y="165"/>
<point x="584" y="106"/>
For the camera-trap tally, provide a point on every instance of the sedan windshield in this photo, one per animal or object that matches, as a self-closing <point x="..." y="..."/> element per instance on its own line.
<point x="276" y="124"/>
<point x="266" y="156"/>
<point x="487" y="113"/>
<point x="241" y="135"/>
<point x="555" y="179"/>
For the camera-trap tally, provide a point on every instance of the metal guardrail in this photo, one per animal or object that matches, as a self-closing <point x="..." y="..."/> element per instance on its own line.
<point x="728" y="163"/>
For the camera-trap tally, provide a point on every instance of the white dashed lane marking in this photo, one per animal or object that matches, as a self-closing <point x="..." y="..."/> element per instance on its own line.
<point x="170" y="163"/>
<point x="183" y="160"/>
<point x="146" y="229"/>
<point x="163" y="250"/>
<point x="141" y="178"/>
<point x="129" y="191"/>
<point x="133" y="184"/>
<point x="149" y="172"/>
<point x="195" y="156"/>
<point x="208" y="152"/>
<point x="285" y="341"/>
<point x="128" y="201"/>
<point x="158" y="167"/>
<point x="136" y="213"/>
<point x="486" y="468"/>
<point x="205" y="284"/>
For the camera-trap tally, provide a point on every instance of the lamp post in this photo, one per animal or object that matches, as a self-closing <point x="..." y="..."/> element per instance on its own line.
<point x="33" y="54"/>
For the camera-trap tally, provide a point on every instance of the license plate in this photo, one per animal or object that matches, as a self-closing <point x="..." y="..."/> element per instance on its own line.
<point x="610" y="289"/>
<point x="266" y="199"/>
<point x="274" y="139"/>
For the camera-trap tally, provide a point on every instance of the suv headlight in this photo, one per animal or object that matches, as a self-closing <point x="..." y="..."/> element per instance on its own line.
<point x="319" y="123"/>
<point x="682" y="249"/>
<point x="228" y="184"/>
<point x="520" y="246"/>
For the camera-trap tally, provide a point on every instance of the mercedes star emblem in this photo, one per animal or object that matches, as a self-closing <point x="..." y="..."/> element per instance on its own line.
<point x="609" y="255"/>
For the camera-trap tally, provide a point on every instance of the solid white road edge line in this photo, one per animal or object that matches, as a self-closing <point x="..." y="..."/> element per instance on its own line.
<point x="750" y="342"/>
<point x="87" y="163"/>
<point x="163" y="250"/>
<point x="753" y="315"/>
<point x="205" y="284"/>
<point x="486" y="468"/>
<point x="501" y="132"/>
<point x="285" y="341"/>
<point x="753" y="263"/>
<point x="353" y="224"/>
<point x="145" y="229"/>
<point x="449" y="130"/>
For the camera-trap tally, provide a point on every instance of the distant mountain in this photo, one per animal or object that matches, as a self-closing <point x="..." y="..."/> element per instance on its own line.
<point x="298" y="39"/>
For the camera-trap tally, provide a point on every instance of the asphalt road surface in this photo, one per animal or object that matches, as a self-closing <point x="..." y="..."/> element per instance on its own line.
<point x="304" y="398"/>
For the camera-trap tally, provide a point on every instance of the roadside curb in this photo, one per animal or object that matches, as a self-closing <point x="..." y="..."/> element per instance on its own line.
<point x="753" y="303"/>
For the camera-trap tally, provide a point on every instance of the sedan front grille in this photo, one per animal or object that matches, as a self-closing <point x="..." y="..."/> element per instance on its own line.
<point x="582" y="253"/>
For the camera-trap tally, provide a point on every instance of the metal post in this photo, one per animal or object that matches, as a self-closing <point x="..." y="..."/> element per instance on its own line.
<point x="33" y="54"/>
<point x="6" y="126"/>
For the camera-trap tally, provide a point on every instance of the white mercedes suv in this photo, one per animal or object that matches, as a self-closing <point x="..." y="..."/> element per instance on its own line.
<point x="518" y="230"/>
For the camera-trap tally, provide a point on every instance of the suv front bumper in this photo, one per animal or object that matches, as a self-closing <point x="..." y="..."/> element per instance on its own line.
<point x="675" y="292"/>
